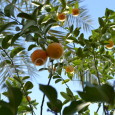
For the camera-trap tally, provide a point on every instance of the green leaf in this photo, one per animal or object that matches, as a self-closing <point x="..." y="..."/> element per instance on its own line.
<point x="14" y="38"/>
<point x="66" y="101"/>
<point x="79" y="52"/>
<point x="26" y="16"/>
<point x="53" y="38"/>
<point x="15" y="96"/>
<point x="55" y="107"/>
<point x="5" y="41"/>
<point x="17" y="79"/>
<point x="95" y="113"/>
<point x="31" y="47"/>
<point x="104" y="93"/>
<point x="5" y="108"/>
<point x="65" y="95"/>
<point x="74" y="107"/>
<point x="37" y="3"/>
<point x="49" y="91"/>
<point x="14" y="1"/>
<point x="101" y="22"/>
<point x="73" y="38"/>
<point x="25" y="78"/>
<point x="9" y="10"/>
<point x="58" y="80"/>
<point x="5" y="26"/>
<point x="65" y="81"/>
<point x="27" y="25"/>
<point x="41" y="19"/>
<point x="28" y="85"/>
<point x="76" y="32"/>
<point x="63" y="2"/>
<point x="69" y="92"/>
<point x="15" y="51"/>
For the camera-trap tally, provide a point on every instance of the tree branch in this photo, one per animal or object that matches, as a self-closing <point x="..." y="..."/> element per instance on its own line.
<point x="43" y="98"/>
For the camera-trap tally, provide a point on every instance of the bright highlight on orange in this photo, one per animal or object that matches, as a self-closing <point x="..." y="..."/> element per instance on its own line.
<point x="55" y="50"/>
<point x="61" y="17"/>
<point x="39" y="57"/>
<point x="110" y="45"/>
<point x="75" y="12"/>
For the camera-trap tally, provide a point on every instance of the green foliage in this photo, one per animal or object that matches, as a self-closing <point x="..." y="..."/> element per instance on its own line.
<point x="104" y="93"/>
<point x="75" y="106"/>
<point x="37" y="25"/>
<point x="15" y="51"/>
<point x="15" y="97"/>
<point x="50" y="92"/>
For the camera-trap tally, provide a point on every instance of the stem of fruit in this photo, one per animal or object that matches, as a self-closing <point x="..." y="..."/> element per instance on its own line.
<point x="19" y="78"/>
<point x="43" y="99"/>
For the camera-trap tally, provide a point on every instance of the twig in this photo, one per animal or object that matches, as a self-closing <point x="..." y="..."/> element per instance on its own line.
<point x="19" y="78"/>
<point x="99" y="105"/>
<point x="43" y="98"/>
<point x="96" y="68"/>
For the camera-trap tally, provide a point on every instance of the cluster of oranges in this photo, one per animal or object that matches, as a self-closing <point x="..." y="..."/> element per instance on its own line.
<point x="54" y="51"/>
<point x="62" y="16"/>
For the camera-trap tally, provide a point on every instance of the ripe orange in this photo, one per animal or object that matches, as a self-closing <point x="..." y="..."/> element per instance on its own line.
<point x="61" y="16"/>
<point x="69" y="69"/>
<point x="75" y="12"/>
<point x="55" y="50"/>
<point x="39" y="57"/>
<point x="110" y="45"/>
<point x="28" y="98"/>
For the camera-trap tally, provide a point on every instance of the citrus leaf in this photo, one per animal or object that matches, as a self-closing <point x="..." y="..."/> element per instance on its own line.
<point x="49" y="91"/>
<point x="5" y="108"/>
<point x="15" y="96"/>
<point x="104" y="93"/>
<point x="15" y="51"/>
<point x="25" y="15"/>
<point x="31" y="47"/>
<point x="14" y="38"/>
<point x="5" y="26"/>
<point x="9" y="10"/>
<point x="28" y="85"/>
<point x="5" y="41"/>
<point x="74" y="107"/>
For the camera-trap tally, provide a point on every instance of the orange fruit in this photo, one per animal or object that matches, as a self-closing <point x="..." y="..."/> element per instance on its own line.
<point x="110" y="45"/>
<point x="55" y="50"/>
<point x="39" y="57"/>
<point x="69" y="69"/>
<point x="75" y="12"/>
<point x="28" y="98"/>
<point x="61" y="16"/>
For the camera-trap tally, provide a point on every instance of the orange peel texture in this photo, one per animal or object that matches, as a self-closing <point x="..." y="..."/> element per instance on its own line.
<point x="69" y="69"/>
<point x="61" y="17"/>
<point x="28" y="98"/>
<point x="39" y="57"/>
<point x="75" y="12"/>
<point x="55" y="50"/>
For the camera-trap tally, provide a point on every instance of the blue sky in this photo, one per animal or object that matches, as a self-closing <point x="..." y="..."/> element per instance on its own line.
<point x="96" y="9"/>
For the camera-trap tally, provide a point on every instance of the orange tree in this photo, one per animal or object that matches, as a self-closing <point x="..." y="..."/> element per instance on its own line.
<point x="53" y="27"/>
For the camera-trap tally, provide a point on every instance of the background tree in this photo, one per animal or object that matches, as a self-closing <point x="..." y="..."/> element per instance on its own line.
<point x="54" y="27"/>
